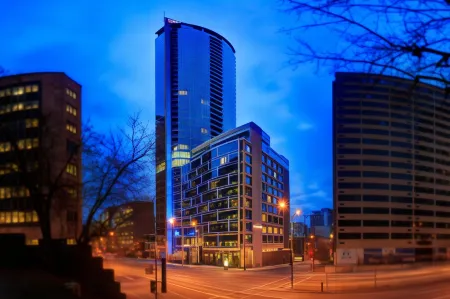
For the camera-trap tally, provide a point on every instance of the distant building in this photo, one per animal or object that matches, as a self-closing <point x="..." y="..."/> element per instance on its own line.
<point x="300" y="229"/>
<point x="122" y="228"/>
<point x="211" y="209"/>
<point x="391" y="158"/>
<point x="40" y="110"/>
<point x="324" y="217"/>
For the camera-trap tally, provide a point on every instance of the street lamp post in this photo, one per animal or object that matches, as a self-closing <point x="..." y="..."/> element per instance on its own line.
<point x="283" y="205"/>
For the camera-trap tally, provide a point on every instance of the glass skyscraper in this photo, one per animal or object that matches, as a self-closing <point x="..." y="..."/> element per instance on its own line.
<point x="195" y="101"/>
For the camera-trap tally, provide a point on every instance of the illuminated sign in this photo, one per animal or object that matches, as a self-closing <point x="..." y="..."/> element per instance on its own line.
<point x="172" y="21"/>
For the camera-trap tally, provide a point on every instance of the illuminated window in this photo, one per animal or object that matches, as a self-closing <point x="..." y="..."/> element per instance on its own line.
<point x="270" y="229"/>
<point x="31" y="123"/>
<point x="35" y="217"/>
<point x="8" y="217"/>
<point x="179" y="162"/>
<point x="281" y="231"/>
<point x="71" y="242"/>
<point x="71" y="169"/>
<point x="178" y="154"/>
<point x="2" y="217"/>
<point x="16" y="91"/>
<point x="264" y="217"/>
<point x="15" y="217"/>
<point x="28" y="88"/>
<point x="223" y="160"/>
<point x="71" y="110"/>
<point x="182" y="92"/>
<point x="160" y="167"/>
<point x="71" y="128"/>
<point x="275" y="230"/>
<point x="28" y="216"/>
<point x="248" y="149"/>
<point x="5" y="147"/>
<point x="32" y="242"/>
<point x="71" y="93"/>
<point x="204" y="131"/>
<point x="264" y="229"/>
<point x="34" y="88"/>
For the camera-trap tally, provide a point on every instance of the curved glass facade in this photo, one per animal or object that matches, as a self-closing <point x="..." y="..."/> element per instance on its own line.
<point x="391" y="165"/>
<point x="195" y="101"/>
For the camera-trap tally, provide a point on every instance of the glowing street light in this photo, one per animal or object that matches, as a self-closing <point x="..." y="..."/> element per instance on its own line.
<point x="172" y="220"/>
<point x="298" y="212"/>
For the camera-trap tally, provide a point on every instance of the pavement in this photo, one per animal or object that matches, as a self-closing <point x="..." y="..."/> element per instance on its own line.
<point x="202" y="282"/>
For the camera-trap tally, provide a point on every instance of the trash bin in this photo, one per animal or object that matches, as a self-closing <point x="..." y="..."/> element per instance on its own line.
<point x="152" y="286"/>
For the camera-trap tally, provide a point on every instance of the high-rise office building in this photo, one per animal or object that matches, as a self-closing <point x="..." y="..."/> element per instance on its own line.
<point x="195" y="101"/>
<point x="40" y="126"/>
<point x="391" y="142"/>
<point x="236" y="164"/>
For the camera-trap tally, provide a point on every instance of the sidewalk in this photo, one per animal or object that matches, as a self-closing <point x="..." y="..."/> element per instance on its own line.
<point x="238" y="269"/>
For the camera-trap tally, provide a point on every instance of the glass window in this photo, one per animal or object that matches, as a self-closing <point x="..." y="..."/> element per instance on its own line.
<point x="349" y="197"/>
<point x="227" y="148"/>
<point x="348" y="162"/>
<point x="248" y="159"/>
<point x="349" y="185"/>
<point x="248" y="180"/>
<point x="248" y="149"/>
<point x="248" y="169"/>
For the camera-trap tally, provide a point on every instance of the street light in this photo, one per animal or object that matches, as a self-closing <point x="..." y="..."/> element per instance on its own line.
<point x="282" y="206"/>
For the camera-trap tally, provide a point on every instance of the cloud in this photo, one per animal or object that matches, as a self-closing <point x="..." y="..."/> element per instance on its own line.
<point x="305" y="126"/>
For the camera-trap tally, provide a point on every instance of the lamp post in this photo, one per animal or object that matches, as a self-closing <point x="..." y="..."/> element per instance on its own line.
<point x="283" y="206"/>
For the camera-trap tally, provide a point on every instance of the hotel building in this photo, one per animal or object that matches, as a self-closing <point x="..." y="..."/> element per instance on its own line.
<point x="232" y="189"/>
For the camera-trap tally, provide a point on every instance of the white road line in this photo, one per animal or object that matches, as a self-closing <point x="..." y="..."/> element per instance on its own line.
<point x="128" y="277"/>
<point x="198" y="291"/>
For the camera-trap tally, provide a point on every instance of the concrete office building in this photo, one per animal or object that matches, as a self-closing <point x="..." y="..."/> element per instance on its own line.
<point x="211" y="209"/>
<point x="195" y="101"/>
<point x="391" y="142"/>
<point x="40" y="110"/>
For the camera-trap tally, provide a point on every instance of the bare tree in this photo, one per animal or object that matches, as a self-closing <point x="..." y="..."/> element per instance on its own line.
<point x="116" y="169"/>
<point x="404" y="38"/>
<point x="39" y="166"/>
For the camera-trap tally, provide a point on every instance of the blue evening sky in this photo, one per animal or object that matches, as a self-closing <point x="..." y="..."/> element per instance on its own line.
<point x="108" y="47"/>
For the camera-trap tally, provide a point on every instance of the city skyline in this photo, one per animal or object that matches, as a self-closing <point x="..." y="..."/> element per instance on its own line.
<point x="121" y="70"/>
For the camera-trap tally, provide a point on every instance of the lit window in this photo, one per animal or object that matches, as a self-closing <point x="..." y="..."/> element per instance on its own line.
<point x="223" y="160"/>
<point x="71" y="242"/>
<point x="71" y="169"/>
<point x="248" y="149"/>
<point x="8" y="217"/>
<point x="270" y="229"/>
<point x="71" y="93"/>
<point x="31" y="123"/>
<point x="281" y="231"/>
<point x="18" y="91"/>
<point x="160" y="167"/>
<point x="204" y="131"/>
<point x="28" y="88"/>
<point x="35" y="217"/>
<point x="264" y="229"/>
<point x="71" y="128"/>
<point x="28" y="216"/>
<point x="275" y="230"/>
<point x="32" y="242"/>
<point x="71" y="110"/>
<point x="264" y="217"/>
<point x="2" y="93"/>
<point x="21" y="217"/>
<point x="182" y="92"/>
<point x="34" y="88"/>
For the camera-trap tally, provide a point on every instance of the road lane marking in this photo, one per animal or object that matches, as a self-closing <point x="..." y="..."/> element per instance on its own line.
<point x="198" y="291"/>
<point x="128" y="277"/>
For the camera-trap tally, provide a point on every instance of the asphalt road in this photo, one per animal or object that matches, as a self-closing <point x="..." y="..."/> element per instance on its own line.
<point x="212" y="282"/>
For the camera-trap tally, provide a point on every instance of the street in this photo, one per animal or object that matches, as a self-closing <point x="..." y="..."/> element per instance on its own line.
<point x="204" y="282"/>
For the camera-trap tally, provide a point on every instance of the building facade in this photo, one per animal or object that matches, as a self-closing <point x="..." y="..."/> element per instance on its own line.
<point x="40" y="126"/>
<point x="122" y="229"/>
<point x="195" y="101"/>
<point x="391" y="169"/>
<point x="237" y="164"/>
